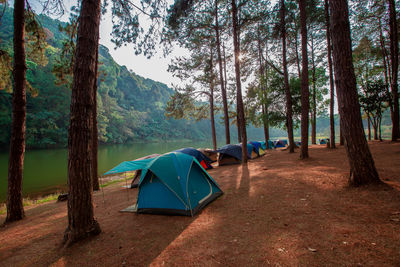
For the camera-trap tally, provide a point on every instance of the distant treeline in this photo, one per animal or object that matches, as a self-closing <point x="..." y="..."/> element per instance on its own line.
<point x="130" y="108"/>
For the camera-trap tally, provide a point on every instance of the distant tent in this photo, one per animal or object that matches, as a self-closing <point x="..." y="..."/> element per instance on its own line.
<point x="204" y="161"/>
<point x="270" y="144"/>
<point x="323" y="141"/>
<point x="173" y="183"/>
<point x="251" y="151"/>
<point x="298" y="143"/>
<point x="258" y="148"/>
<point x="229" y="154"/>
<point x="136" y="178"/>
<point x="280" y="143"/>
<point x="263" y="145"/>
<point x="211" y="154"/>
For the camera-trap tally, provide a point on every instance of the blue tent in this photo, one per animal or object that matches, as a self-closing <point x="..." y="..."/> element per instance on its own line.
<point x="230" y="154"/>
<point x="323" y="141"/>
<point x="250" y="150"/>
<point x="270" y="144"/>
<point x="280" y="143"/>
<point x="173" y="183"/>
<point x="263" y="145"/>
<point x="204" y="161"/>
<point x="257" y="146"/>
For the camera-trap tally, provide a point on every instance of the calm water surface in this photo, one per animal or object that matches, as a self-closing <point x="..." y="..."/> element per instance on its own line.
<point x="45" y="171"/>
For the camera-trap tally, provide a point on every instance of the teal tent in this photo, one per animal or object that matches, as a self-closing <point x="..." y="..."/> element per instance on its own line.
<point x="270" y="144"/>
<point x="173" y="183"/>
<point x="323" y="141"/>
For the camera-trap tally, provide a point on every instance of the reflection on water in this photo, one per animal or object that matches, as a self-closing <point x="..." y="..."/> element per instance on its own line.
<point x="45" y="171"/>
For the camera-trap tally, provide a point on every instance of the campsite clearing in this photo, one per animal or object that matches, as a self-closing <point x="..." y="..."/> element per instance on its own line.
<point x="278" y="210"/>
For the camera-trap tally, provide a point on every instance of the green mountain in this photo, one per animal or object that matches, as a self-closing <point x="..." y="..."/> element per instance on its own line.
<point x="130" y="107"/>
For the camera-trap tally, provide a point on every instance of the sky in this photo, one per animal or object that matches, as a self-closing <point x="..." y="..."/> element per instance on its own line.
<point x="154" y="68"/>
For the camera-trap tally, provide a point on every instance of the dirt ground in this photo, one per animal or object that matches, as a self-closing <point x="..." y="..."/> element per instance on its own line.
<point x="277" y="211"/>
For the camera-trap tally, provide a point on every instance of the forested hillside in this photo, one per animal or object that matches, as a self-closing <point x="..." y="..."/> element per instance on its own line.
<point x="130" y="107"/>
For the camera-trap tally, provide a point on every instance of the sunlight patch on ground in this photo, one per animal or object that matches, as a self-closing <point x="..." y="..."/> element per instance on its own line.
<point x="201" y="225"/>
<point x="61" y="262"/>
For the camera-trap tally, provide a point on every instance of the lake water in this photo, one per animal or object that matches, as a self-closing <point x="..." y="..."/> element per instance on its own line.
<point x="45" y="171"/>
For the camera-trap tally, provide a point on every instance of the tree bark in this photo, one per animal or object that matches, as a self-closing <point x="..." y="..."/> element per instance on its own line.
<point x="341" y="138"/>
<point x="214" y="137"/>
<point x="369" y="128"/>
<point x="362" y="166"/>
<point x="225" y="76"/>
<point x="331" y="82"/>
<point x="289" y="111"/>
<point x="240" y="107"/>
<point x="266" y="110"/>
<point x="95" y="176"/>
<point x="81" y="223"/>
<point x="263" y="86"/>
<point x="394" y="56"/>
<point x="15" y="207"/>
<point x="375" y="126"/>
<point x="305" y="101"/>
<point x="386" y="68"/>
<point x="297" y="54"/>
<point x="221" y="78"/>
<point x="314" y="99"/>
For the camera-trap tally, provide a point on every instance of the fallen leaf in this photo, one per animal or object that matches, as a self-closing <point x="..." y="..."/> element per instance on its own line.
<point x="312" y="249"/>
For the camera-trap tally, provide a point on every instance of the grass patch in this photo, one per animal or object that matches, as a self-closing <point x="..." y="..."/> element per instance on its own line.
<point x="116" y="181"/>
<point x="29" y="202"/>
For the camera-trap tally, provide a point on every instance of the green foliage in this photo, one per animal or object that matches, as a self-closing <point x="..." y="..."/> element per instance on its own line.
<point x="63" y="67"/>
<point x="130" y="108"/>
<point x="375" y="98"/>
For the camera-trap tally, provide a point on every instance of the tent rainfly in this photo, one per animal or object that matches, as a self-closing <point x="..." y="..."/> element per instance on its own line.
<point x="204" y="161"/>
<point x="173" y="183"/>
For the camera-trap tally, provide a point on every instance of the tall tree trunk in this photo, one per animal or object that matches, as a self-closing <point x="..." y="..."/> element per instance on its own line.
<point x="95" y="175"/>
<point x="212" y="119"/>
<point x="369" y="128"/>
<point x="15" y="207"/>
<point x="305" y="101"/>
<point x="265" y="124"/>
<point x="386" y="68"/>
<point x="263" y="85"/>
<point x="297" y="54"/>
<point x="221" y="78"/>
<point x="362" y="166"/>
<point x="314" y="99"/>
<point x="81" y="222"/>
<point x="238" y="124"/>
<point x="289" y="112"/>
<point x="331" y="82"/>
<point x="214" y="137"/>
<point x="341" y="137"/>
<point x="225" y="76"/>
<point x="380" y="128"/>
<point x="394" y="56"/>
<point x="375" y="126"/>
<point x="242" y="120"/>
<point x="265" y="106"/>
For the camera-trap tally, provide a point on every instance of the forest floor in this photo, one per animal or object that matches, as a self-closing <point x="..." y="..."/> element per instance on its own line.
<point x="276" y="211"/>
